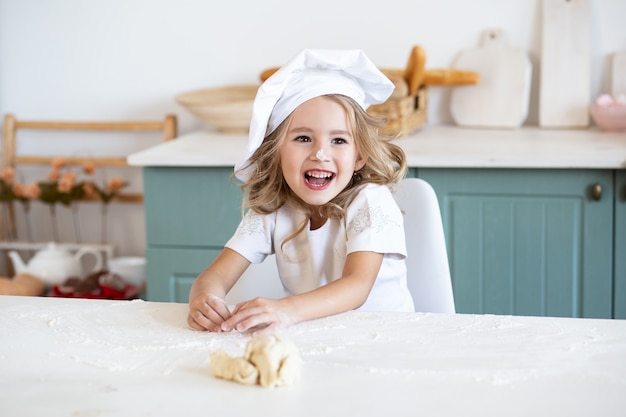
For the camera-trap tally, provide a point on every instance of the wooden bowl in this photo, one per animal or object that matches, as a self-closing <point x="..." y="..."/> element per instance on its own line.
<point x="228" y="109"/>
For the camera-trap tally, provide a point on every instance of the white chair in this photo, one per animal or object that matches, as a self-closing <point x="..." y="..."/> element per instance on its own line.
<point x="428" y="272"/>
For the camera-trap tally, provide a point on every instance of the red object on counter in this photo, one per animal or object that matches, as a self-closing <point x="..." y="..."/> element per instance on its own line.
<point x="104" y="292"/>
<point x="98" y="285"/>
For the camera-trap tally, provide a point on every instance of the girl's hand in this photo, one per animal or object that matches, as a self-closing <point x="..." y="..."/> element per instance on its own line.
<point x="207" y="313"/>
<point x="259" y="316"/>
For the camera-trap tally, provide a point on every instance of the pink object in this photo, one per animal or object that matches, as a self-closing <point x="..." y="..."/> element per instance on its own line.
<point x="609" y="115"/>
<point x="605" y="100"/>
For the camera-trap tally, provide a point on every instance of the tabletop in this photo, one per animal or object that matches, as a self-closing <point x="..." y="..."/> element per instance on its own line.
<point x="77" y="357"/>
<point x="431" y="147"/>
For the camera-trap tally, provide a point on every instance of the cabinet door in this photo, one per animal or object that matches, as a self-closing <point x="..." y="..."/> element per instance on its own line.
<point x="171" y="272"/>
<point x="528" y="242"/>
<point x="620" y="245"/>
<point x="190" y="206"/>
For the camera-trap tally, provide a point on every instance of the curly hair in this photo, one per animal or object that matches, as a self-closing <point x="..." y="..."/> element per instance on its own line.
<point x="266" y="190"/>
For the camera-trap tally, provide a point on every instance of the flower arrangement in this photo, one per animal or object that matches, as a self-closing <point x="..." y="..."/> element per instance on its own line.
<point x="62" y="186"/>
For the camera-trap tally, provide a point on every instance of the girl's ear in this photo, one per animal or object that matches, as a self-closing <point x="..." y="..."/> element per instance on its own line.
<point x="359" y="163"/>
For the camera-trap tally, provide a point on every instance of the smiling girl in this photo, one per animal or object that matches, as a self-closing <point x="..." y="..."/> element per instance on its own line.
<point x="317" y="180"/>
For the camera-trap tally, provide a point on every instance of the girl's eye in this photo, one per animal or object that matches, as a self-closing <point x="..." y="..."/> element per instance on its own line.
<point x="302" y="139"/>
<point x="338" y="141"/>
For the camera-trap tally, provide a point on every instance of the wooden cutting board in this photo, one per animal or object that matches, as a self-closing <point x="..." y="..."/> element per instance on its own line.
<point x="565" y="85"/>
<point x="618" y="74"/>
<point x="501" y="98"/>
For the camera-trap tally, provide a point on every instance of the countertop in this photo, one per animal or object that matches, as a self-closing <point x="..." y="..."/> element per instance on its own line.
<point x="431" y="147"/>
<point x="76" y="357"/>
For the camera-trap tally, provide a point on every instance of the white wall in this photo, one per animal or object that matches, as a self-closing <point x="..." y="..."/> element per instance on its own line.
<point x="127" y="59"/>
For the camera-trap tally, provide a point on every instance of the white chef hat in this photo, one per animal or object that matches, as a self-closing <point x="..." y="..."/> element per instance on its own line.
<point x="310" y="74"/>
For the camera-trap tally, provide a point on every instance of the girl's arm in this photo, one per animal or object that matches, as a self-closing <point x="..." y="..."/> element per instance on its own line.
<point x="207" y="308"/>
<point x="346" y="293"/>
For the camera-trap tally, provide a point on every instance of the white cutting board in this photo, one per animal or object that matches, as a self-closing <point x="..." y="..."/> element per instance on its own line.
<point x="565" y="86"/>
<point x="501" y="98"/>
<point x="618" y="74"/>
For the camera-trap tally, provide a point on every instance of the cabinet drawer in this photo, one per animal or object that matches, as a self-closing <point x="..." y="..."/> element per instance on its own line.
<point x="190" y="206"/>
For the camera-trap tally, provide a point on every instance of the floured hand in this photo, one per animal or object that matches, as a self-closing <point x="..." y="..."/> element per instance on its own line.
<point x="259" y="316"/>
<point x="207" y="313"/>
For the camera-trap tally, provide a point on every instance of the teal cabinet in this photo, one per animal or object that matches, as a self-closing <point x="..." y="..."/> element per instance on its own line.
<point x="528" y="242"/>
<point x="620" y="245"/>
<point x="190" y="207"/>
<point x="525" y="241"/>
<point x="173" y="270"/>
<point x="190" y="214"/>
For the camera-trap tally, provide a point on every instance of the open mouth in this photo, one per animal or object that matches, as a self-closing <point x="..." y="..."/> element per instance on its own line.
<point x="318" y="179"/>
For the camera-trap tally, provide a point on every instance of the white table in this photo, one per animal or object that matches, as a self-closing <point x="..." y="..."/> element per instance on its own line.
<point x="73" y="357"/>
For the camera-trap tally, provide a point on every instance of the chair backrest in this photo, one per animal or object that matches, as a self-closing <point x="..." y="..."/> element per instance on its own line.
<point x="428" y="272"/>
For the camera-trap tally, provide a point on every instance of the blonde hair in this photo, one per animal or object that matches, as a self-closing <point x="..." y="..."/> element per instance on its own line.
<point x="385" y="163"/>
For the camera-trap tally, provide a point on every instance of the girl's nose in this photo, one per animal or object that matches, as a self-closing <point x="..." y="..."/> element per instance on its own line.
<point x="321" y="156"/>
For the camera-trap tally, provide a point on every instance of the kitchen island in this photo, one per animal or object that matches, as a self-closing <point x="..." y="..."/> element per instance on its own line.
<point x="535" y="219"/>
<point x="77" y="357"/>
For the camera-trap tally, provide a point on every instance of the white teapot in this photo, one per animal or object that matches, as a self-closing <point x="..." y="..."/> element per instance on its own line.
<point x="53" y="265"/>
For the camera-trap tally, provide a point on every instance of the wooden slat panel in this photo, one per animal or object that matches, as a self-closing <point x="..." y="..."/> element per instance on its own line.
<point x="98" y="126"/>
<point x="46" y="160"/>
<point x="619" y="299"/>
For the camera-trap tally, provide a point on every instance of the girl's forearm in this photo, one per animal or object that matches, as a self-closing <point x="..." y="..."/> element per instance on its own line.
<point x="336" y="297"/>
<point x="344" y="294"/>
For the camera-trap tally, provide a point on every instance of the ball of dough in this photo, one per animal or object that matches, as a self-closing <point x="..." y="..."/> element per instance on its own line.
<point x="276" y="359"/>
<point x="233" y="369"/>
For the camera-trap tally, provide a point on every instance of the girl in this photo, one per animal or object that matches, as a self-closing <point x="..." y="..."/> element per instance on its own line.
<point x="316" y="181"/>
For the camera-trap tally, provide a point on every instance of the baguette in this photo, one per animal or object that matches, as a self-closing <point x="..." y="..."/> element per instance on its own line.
<point x="414" y="72"/>
<point x="450" y="77"/>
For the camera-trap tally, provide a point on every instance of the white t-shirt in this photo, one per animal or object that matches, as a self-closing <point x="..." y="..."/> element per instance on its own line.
<point x="373" y="222"/>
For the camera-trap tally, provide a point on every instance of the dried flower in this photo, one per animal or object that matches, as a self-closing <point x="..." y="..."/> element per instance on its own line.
<point x="62" y="186"/>
<point x="58" y="163"/>
<point x="90" y="189"/>
<point x="115" y="184"/>
<point x="32" y="191"/>
<point x="54" y="174"/>
<point x="8" y="174"/>
<point x="110" y="191"/>
<point x="89" y="167"/>
<point x="66" y="182"/>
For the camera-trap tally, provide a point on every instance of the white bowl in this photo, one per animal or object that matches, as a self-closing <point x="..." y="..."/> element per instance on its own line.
<point x="131" y="269"/>
<point x="227" y="109"/>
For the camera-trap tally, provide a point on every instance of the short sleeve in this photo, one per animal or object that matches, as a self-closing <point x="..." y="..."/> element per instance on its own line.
<point x="374" y="223"/>
<point x="252" y="239"/>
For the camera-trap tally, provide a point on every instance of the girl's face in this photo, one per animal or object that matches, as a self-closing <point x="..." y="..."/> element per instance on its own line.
<point x="319" y="124"/>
